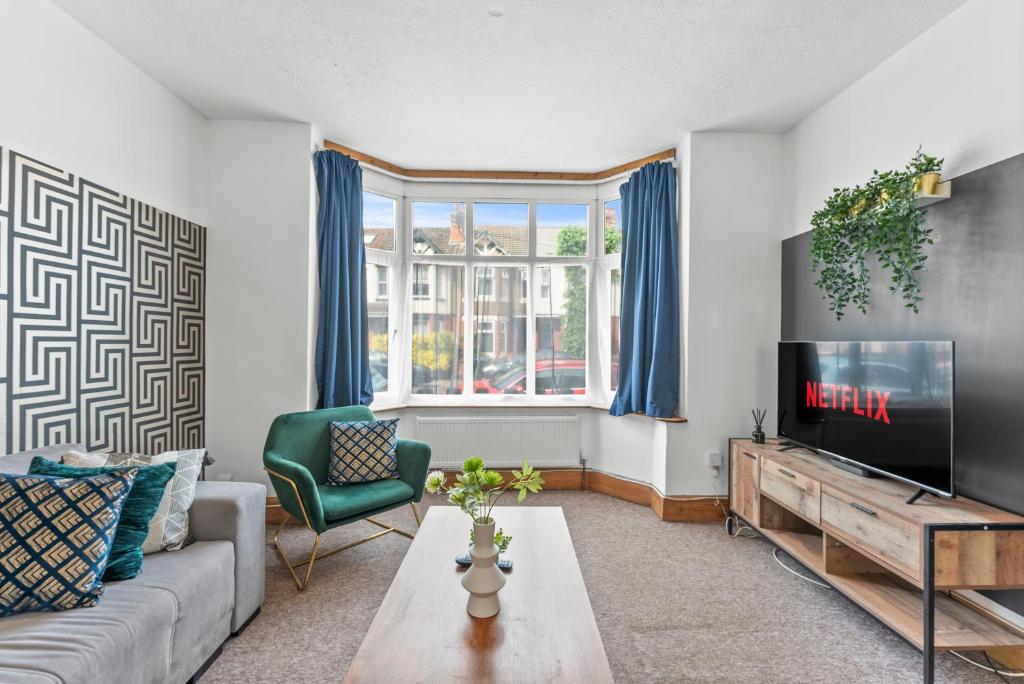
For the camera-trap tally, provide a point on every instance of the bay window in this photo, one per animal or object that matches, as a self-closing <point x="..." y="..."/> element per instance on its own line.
<point x="496" y="356"/>
<point x="380" y="226"/>
<point x="560" y="311"/>
<point x="438" y="349"/>
<point x="612" y="231"/>
<point x="511" y="318"/>
<point x="615" y="290"/>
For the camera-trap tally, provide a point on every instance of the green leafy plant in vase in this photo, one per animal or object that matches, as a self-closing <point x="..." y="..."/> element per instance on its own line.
<point x="926" y="170"/>
<point x="881" y="219"/>
<point x="476" y="491"/>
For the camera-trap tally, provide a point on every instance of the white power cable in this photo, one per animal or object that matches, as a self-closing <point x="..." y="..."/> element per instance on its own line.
<point x="775" y="554"/>
<point x="1004" y="673"/>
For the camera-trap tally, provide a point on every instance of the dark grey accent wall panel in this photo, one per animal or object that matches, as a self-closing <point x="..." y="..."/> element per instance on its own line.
<point x="102" y="298"/>
<point x="974" y="294"/>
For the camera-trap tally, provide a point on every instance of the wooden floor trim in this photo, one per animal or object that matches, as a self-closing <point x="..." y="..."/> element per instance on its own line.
<point x="668" y="508"/>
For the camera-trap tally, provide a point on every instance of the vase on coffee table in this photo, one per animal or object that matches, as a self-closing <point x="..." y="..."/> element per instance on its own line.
<point x="483" y="580"/>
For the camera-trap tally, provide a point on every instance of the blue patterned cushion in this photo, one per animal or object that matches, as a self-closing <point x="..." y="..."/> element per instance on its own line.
<point x="55" y="538"/>
<point x="363" y="451"/>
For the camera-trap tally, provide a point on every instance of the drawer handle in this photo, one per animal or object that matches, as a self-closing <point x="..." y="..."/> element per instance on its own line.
<point x="749" y="455"/>
<point x="787" y="473"/>
<point x="862" y="509"/>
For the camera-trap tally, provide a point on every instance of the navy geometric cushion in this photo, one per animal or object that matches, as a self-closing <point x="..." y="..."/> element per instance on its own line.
<point x="363" y="451"/>
<point x="139" y="508"/>
<point x="55" y="538"/>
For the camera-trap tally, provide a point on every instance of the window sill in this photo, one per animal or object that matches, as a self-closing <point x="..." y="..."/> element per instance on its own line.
<point x="384" y="407"/>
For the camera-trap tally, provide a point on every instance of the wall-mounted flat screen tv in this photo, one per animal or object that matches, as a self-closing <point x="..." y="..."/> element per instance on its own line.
<point x="884" y="406"/>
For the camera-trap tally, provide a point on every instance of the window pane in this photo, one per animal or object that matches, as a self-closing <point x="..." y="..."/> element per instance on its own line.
<point x="377" y="289"/>
<point x="437" y="330"/>
<point x="562" y="229"/>
<point x="499" y="333"/>
<point x="616" y="308"/>
<point x="560" y="308"/>
<point x="612" y="231"/>
<point x="378" y="221"/>
<point x="438" y="227"/>
<point x="501" y="229"/>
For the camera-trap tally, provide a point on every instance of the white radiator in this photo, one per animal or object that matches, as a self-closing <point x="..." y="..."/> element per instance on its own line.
<point x="545" y="441"/>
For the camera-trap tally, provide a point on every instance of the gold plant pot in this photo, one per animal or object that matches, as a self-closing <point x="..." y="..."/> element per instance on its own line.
<point x="858" y="207"/>
<point x="926" y="183"/>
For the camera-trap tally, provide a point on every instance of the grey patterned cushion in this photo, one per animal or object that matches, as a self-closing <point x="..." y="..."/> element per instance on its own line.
<point x="363" y="451"/>
<point x="168" y="529"/>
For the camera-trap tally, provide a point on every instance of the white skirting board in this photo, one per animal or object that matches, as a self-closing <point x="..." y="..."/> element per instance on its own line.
<point x="503" y="442"/>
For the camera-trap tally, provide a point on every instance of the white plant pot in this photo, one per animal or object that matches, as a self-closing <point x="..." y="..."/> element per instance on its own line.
<point x="483" y="579"/>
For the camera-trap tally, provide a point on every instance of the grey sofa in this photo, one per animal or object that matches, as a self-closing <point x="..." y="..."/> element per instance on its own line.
<point x="166" y="624"/>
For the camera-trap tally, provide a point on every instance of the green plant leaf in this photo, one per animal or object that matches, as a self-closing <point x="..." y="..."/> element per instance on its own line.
<point x="880" y="218"/>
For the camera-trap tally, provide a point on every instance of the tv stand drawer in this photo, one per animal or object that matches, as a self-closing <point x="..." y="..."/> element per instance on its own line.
<point x="795" y="491"/>
<point x="892" y="540"/>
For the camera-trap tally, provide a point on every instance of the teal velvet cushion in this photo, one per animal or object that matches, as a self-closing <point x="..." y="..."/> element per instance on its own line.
<point x="55" y="538"/>
<point x="126" y="552"/>
<point x="352" y="499"/>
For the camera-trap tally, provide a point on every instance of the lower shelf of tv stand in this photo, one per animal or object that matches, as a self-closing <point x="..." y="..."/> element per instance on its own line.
<point x="898" y="603"/>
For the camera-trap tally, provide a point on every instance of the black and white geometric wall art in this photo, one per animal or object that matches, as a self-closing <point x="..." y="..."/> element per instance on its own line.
<point x="102" y="299"/>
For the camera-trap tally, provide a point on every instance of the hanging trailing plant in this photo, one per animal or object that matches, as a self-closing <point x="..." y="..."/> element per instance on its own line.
<point x="881" y="218"/>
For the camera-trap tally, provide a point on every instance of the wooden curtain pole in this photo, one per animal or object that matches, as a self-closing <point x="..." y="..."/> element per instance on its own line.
<point x="499" y="175"/>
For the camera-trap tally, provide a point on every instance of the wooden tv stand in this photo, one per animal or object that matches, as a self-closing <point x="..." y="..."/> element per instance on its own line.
<point x="896" y="560"/>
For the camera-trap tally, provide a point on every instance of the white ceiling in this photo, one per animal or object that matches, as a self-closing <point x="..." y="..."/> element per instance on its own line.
<point x="549" y="85"/>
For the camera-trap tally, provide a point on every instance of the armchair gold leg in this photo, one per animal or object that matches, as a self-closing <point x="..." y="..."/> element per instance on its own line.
<point x="301" y="584"/>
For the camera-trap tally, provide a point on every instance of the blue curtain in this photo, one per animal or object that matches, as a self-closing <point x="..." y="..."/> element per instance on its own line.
<point x="342" y="336"/>
<point x="649" y="319"/>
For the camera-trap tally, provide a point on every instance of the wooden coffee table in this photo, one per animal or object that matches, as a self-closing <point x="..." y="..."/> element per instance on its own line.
<point x="545" y="631"/>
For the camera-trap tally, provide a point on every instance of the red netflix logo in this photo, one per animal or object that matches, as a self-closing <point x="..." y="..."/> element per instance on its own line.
<point x="846" y="398"/>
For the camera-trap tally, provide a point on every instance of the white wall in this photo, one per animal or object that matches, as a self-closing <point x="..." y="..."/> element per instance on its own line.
<point x="71" y="100"/>
<point x="957" y="89"/>
<point x="258" y="182"/>
<point x="731" y="229"/>
<point x="625" y="446"/>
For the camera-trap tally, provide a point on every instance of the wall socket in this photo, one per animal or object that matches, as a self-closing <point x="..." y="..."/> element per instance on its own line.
<point x="714" y="461"/>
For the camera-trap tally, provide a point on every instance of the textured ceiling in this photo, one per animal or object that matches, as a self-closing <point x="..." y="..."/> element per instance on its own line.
<point x="570" y="84"/>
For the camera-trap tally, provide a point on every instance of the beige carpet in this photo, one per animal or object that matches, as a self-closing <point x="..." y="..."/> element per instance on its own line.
<point x="674" y="602"/>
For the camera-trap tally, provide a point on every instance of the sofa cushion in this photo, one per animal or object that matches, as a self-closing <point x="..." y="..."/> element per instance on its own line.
<point x="352" y="499"/>
<point x="126" y="551"/>
<point x="201" y="579"/>
<point x="168" y="529"/>
<point x="126" y="638"/>
<point x="17" y="464"/>
<point x="55" y="538"/>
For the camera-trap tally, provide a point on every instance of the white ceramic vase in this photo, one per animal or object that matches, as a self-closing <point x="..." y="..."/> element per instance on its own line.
<point x="483" y="579"/>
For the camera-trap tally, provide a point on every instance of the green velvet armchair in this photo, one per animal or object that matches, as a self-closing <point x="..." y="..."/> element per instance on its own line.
<point x="297" y="457"/>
